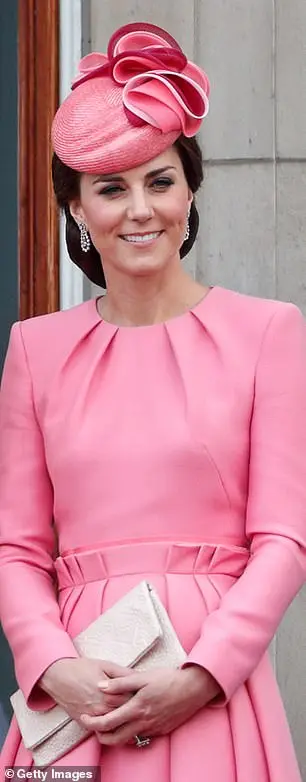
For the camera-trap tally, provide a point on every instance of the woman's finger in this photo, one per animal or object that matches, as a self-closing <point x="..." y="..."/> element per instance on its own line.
<point x="113" y="720"/>
<point x="112" y="670"/>
<point x="125" y="684"/>
<point x="124" y="735"/>
<point x="108" y="703"/>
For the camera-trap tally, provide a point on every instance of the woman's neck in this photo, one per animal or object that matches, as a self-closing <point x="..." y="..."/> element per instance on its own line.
<point x="145" y="305"/>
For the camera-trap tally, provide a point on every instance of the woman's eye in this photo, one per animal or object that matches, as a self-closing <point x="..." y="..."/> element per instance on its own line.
<point x="162" y="183"/>
<point x="110" y="190"/>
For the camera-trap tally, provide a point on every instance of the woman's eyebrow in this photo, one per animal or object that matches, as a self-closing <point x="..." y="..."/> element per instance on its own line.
<point x="118" y="178"/>
<point x="158" y="171"/>
<point x="108" y="178"/>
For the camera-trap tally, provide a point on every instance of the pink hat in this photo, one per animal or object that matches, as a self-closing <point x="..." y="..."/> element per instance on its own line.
<point x="128" y="106"/>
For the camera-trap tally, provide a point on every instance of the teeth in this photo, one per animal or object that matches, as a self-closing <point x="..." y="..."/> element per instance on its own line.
<point x="139" y="239"/>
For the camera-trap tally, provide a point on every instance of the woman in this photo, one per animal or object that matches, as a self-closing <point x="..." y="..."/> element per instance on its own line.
<point x="163" y="428"/>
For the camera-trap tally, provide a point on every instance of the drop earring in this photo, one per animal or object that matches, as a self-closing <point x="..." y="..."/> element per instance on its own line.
<point x="187" y="232"/>
<point x="85" y="238"/>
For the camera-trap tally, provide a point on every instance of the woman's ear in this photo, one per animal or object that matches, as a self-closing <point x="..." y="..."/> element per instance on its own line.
<point x="76" y="211"/>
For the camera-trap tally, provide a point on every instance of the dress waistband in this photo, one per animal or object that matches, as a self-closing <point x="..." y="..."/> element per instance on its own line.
<point x="81" y="567"/>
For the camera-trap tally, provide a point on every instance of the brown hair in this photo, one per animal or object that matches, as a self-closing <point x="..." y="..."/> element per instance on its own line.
<point x="66" y="183"/>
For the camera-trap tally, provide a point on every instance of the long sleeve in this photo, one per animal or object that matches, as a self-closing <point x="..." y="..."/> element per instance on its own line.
<point x="235" y="636"/>
<point x="28" y="606"/>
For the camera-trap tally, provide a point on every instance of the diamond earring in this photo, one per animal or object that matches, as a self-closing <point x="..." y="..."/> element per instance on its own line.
<point x="85" y="238"/>
<point x="187" y="233"/>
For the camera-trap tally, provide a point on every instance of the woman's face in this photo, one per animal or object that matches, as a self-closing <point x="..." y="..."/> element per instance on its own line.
<point x="137" y="219"/>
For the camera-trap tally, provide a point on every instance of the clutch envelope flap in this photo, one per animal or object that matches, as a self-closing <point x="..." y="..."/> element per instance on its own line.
<point x="125" y="632"/>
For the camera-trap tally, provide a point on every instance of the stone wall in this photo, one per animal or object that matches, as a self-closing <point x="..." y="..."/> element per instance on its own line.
<point x="253" y="201"/>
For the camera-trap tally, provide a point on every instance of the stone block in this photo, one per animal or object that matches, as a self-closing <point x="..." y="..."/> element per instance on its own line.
<point x="237" y="233"/>
<point x="234" y="43"/>
<point x="291" y="233"/>
<point x="291" y="78"/>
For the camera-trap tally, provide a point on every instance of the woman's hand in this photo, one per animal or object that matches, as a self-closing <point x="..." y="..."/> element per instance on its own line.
<point x="74" y="685"/>
<point x="162" y="700"/>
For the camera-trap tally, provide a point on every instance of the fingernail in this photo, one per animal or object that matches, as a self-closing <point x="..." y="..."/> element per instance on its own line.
<point x="103" y="685"/>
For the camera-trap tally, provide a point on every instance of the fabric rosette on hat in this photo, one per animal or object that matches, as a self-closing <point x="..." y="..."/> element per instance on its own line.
<point x="129" y="105"/>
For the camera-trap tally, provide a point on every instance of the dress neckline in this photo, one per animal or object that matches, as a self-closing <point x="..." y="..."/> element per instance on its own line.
<point x="149" y="327"/>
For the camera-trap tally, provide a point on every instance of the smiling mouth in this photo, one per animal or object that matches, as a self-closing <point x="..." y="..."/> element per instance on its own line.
<point x="141" y="238"/>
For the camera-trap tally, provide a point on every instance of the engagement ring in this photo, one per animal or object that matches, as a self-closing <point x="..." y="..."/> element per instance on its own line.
<point x="141" y="741"/>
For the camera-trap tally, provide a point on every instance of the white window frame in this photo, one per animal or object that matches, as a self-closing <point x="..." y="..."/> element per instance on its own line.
<point x="71" y="278"/>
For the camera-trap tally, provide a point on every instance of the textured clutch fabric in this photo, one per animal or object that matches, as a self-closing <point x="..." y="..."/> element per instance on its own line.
<point x="135" y="632"/>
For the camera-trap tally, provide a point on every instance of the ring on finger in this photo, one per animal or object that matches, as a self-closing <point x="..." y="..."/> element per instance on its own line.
<point x="142" y="741"/>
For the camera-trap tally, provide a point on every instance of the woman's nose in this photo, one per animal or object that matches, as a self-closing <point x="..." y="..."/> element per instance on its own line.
<point x="139" y="207"/>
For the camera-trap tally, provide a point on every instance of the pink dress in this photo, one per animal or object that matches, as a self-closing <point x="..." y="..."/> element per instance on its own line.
<point x="174" y="452"/>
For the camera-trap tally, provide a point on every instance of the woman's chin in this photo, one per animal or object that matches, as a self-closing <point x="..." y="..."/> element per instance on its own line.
<point x="141" y="267"/>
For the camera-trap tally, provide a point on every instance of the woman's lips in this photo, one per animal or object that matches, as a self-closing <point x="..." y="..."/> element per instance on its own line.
<point x="145" y="238"/>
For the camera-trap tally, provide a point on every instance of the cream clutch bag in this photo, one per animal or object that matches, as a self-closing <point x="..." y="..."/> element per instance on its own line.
<point x="136" y="632"/>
